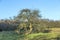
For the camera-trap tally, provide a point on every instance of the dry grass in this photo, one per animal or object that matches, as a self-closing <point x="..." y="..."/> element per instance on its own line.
<point x="55" y="30"/>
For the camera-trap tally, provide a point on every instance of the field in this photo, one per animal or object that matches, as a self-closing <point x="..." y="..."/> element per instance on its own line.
<point x="37" y="36"/>
<point x="55" y="30"/>
<point x="7" y="36"/>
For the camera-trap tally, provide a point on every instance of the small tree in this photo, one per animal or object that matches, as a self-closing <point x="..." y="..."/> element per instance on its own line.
<point x="29" y="17"/>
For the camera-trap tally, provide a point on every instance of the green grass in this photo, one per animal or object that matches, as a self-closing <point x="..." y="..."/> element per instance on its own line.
<point x="46" y="35"/>
<point x="9" y="36"/>
<point x="35" y="36"/>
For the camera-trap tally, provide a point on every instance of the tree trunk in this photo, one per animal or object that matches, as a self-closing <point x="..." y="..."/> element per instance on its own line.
<point x="30" y="26"/>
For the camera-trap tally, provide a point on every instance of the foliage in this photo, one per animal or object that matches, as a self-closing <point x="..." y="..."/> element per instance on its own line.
<point x="28" y="16"/>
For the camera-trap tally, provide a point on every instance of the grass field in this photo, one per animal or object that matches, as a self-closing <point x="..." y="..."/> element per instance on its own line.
<point x="14" y="36"/>
<point x="55" y="30"/>
<point x="8" y="36"/>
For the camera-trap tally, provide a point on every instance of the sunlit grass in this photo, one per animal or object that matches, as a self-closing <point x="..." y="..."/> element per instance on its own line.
<point x="55" y="30"/>
<point x="14" y="36"/>
<point x="48" y="35"/>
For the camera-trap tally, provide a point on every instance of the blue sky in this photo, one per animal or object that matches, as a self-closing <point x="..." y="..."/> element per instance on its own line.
<point x="50" y="9"/>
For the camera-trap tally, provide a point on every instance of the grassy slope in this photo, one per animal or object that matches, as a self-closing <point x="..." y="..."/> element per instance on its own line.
<point x="53" y="34"/>
<point x="8" y="36"/>
<point x="55" y="30"/>
<point x="47" y="35"/>
<point x="14" y="36"/>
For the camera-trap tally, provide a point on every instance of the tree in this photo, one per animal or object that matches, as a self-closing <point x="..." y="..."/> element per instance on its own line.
<point x="28" y="16"/>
